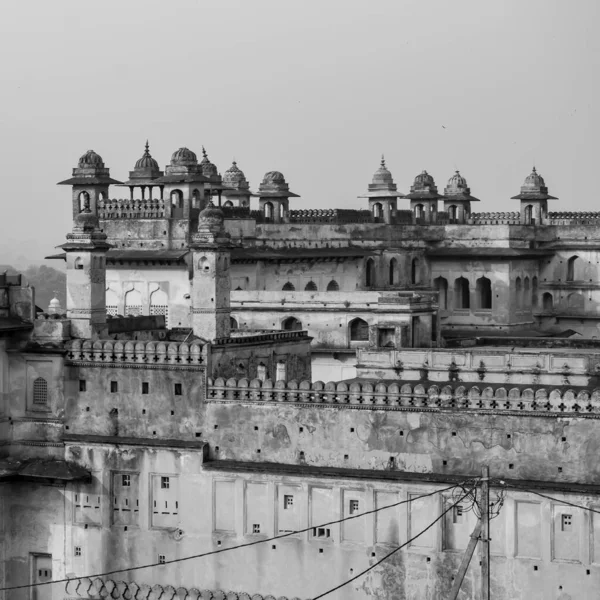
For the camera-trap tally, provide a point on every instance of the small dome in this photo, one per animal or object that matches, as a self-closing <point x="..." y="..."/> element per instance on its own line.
<point x="146" y="162"/>
<point x="86" y="221"/>
<point x="208" y="169"/>
<point x="382" y="175"/>
<point x="534" y="180"/>
<point x="91" y="159"/>
<point x="211" y="214"/>
<point x="234" y="175"/>
<point x="457" y="181"/>
<point x="273" y="177"/>
<point x="423" y="179"/>
<point x="183" y="157"/>
<point x="54" y="308"/>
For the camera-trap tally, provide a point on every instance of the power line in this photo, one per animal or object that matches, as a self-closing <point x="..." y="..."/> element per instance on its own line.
<point x="341" y="585"/>
<point x="212" y="552"/>
<point x="525" y="489"/>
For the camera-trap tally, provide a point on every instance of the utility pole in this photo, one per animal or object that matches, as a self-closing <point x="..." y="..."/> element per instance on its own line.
<point x="485" y="533"/>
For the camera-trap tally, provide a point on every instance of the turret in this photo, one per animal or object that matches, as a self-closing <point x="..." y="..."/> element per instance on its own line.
<point x="211" y="284"/>
<point x="236" y="189"/>
<point x="424" y="199"/>
<point x="534" y="198"/>
<point x="383" y="195"/>
<point x="90" y="183"/>
<point x="457" y="199"/>
<point x="85" y="250"/>
<point x="144" y="175"/>
<point x="273" y="197"/>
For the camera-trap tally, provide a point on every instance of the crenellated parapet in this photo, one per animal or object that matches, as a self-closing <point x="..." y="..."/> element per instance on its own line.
<point x="574" y="218"/>
<point x="95" y="588"/>
<point x="419" y="397"/>
<point x="137" y="353"/>
<point x="131" y="209"/>
<point x="495" y="218"/>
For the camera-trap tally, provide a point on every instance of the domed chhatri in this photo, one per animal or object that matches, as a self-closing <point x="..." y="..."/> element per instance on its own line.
<point x="274" y="184"/>
<point x="424" y="187"/>
<point x="54" y="308"/>
<point x="211" y="214"/>
<point x="147" y="162"/>
<point x="234" y="176"/>
<point x="382" y="175"/>
<point x="91" y="159"/>
<point x="382" y="185"/>
<point x="534" y="188"/>
<point x="208" y="169"/>
<point x="273" y="177"/>
<point x="184" y="157"/>
<point x="457" y="188"/>
<point x="457" y="182"/>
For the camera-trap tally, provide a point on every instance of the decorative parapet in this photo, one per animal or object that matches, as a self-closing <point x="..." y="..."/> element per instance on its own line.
<point x="332" y="215"/>
<point x="131" y="209"/>
<point x="417" y="397"/>
<point x="574" y="218"/>
<point x="98" y="589"/>
<point x="495" y="218"/>
<point x="277" y="336"/>
<point x="117" y="353"/>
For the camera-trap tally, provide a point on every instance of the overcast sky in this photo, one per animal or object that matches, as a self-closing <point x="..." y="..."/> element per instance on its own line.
<point x="315" y="89"/>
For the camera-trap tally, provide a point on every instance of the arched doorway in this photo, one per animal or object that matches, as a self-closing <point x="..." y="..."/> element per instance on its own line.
<point x="291" y="324"/>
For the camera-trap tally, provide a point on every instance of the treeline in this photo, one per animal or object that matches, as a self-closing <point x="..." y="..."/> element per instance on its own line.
<point x="48" y="283"/>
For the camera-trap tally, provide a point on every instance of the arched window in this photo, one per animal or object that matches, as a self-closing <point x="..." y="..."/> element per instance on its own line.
<point x="483" y="288"/>
<point x="288" y="287"/>
<point x="333" y="286"/>
<point x="133" y="303"/>
<point x="370" y="273"/>
<point x="547" y="301"/>
<point x="419" y="213"/>
<point x="159" y="305"/>
<point x="40" y="391"/>
<point x="311" y="286"/>
<point x="462" y="298"/>
<point x="269" y="210"/>
<point x="112" y="303"/>
<point x="228" y="204"/>
<point x="78" y="263"/>
<point x="453" y="213"/>
<point x="534" y="291"/>
<point x="233" y="324"/>
<point x="575" y="301"/>
<point x="378" y="210"/>
<point x="177" y="199"/>
<point x="84" y="201"/>
<point x="528" y="214"/>
<point x="393" y="270"/>
<point x="526" y="292"/>
<point x="441" y="285"/>
<point x="414" y="272"/>
<point x="519" y="293"/>
<point x="195" y="198"/>
<point x="359" y="331"/>
<point x="204" y="264"/>
<point x="291" y="324"/>
<point x="572" y="265"/>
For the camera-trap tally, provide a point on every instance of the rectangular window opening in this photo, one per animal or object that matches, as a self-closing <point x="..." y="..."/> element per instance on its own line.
<point x="457" y="514"/>
<point x="161" y="559"/>
<point x="164" y="483"/>
<point x="256" y="528"/>
<point x="126" y="480"/>
<point x="77" y="550"/>
<point x="145" y="387"/>
<point x="82" y="385"/>
<point x="114" y="387"/>
<point x="566" y="522"/>
<point x="354" y="504"/>
<point x="178" y="389"/>
<point x="288" y="501"/>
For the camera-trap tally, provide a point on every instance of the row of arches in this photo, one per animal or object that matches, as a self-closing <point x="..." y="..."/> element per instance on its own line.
<point x="133" y="305"/>
<point x="358" y="329"/>
<point x="462" y="293"/>
<point x="371" y="279"/>
<point x="311" y="286"/>
<point x="575" y="301"/>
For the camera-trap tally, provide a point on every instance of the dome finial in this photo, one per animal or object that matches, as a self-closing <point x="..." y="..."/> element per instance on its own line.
<point x="383" y="161"/>
<point x="204" y="153"/>
<point x="147" y="153"/>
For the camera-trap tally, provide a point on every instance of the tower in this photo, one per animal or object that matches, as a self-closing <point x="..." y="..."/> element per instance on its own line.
<point x="90" y="183"/>
<point x="144" y="175"/>
<point x="383" y="195"/>
<point x="534" y="198"/>
<point x="424" y="199"/>
<point x="211" y="284"/>
<point x="457" y="199"/>
<point x="236" y="189"/>
<point x="273" y="197"/>
<point x="86" y="249"/>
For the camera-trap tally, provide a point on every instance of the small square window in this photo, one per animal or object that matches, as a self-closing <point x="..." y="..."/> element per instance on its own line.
<point x="77" y="551"/>
<point x="126" y="480"/>
<point x="288" y="501"/>
<point x="114" y="387"/>
<point x="457" y="514"/>
<point x="566" y="522"/>
<point x="354" y="504"/>
<point x="161" y="559"/>
<point x="145" y="387"/>
<point x="164" y="483"/>
<point x="256" y="528"/>
<point x="178" y="389"/>
<point x="82" y="385"/>
<point x="321" y="532"/>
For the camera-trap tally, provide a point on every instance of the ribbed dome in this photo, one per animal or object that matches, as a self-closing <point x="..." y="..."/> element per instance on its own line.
<point x="211" y="214"/>
<point x="382" y="175"/>
<point x="146" y="162"/>
<point x="457" y="181"/>
<point x="208" y="169"/>
<point x="183" y="157"/>
<point x="234" y="175"/>
<point x="273" y="177"/>
<point x="424" y="179"/>
<point x="86" y="221"/>
<point x="534" y="180"/>
<point x="91" y="159"/>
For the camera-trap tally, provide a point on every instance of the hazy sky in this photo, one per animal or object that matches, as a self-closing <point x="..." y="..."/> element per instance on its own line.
<point x="315" y="89"/>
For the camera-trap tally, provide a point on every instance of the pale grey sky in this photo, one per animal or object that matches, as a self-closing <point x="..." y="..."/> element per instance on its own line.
<point x="316" y="89"/>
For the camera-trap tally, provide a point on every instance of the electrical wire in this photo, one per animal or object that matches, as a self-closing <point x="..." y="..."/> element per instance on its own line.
<point x="501" y="482"/>
<point x="341" y="585"/>
<point x="219" y="551"/>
